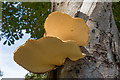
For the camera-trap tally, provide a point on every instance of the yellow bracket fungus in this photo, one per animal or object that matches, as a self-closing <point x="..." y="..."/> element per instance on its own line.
<point x="66" y="28"/>
<point x="42" y="55"/>
<point x="62" y="39"/>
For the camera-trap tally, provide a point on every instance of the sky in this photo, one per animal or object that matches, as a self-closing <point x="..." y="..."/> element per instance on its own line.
<point x="8" y="66"/>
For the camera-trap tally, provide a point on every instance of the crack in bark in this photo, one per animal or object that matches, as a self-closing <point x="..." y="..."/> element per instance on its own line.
<point x="109" y="47"/>
<point x="68" y="3"/>
<point x="52" y="6"/>
<point x="97" y="24"/>
<point x="110" y="21"/>
<point x="97" y="67"/>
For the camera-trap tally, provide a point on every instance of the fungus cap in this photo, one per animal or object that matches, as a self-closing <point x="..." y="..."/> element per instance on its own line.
<point x="42" y="55"/>
<point x="65" y="27"/>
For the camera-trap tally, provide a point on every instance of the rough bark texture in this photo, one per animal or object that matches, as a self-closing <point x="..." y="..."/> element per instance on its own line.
<point x="103" y="55"/>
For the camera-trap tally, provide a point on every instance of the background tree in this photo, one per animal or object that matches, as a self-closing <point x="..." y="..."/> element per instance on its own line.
<point x="103" y="55"/>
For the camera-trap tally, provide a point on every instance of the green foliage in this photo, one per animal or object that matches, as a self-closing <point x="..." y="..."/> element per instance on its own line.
<point x="27" y="16"/>
<point x="116" y="12"/>
<point x="31" y="76"/>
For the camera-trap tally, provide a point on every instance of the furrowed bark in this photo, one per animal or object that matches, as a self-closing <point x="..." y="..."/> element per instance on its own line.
<point x="103" y="51"/>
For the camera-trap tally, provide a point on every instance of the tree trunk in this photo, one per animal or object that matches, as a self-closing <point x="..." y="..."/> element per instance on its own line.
<point x="103" y="55"/>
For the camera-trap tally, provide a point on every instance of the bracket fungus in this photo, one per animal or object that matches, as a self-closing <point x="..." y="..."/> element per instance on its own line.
<point x="42" y="55"/>
<point x="62" y="39"/>
<point x="66" y="28"/>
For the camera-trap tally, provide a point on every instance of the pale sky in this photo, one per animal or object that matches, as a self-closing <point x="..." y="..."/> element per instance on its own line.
<point x="7" y="64"/>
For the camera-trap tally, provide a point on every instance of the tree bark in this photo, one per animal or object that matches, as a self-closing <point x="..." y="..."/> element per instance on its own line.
<point x="103" y="51"/>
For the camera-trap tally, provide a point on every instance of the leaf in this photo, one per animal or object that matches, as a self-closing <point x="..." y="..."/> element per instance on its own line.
<point x="12" y="40"/>
<point x="20" y="36"/>
<point x="5" y="42"/>
<point x="16" y="37"/>
<point x="9" y="43"/>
